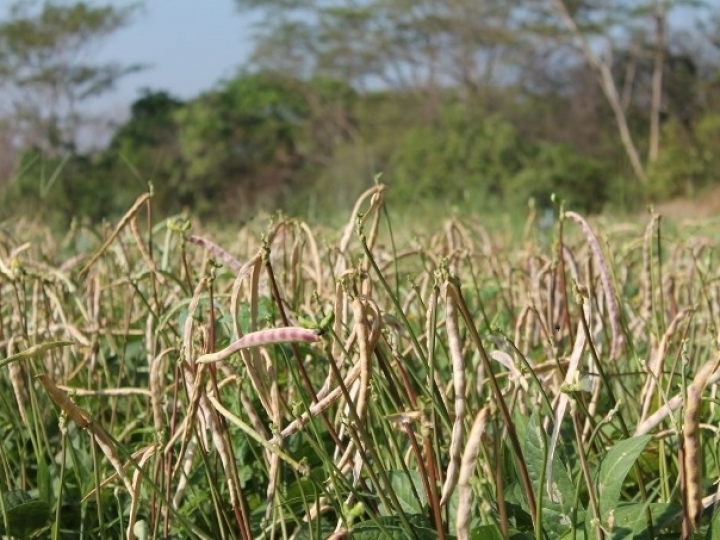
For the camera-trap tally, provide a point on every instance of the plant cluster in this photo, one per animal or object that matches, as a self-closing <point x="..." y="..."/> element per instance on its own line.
<point x="363" y="384"/>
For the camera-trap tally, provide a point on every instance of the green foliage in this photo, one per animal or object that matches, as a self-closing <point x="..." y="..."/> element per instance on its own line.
<point x="392" y="528"/>
<point x="557" y="168"/>
<point x="22" y="513"/>
<point x="448" y="100"/>
<point x="239" y="139"/>
<point x="146" y="148"/>
<point x="409" y="491"/>
<point x="690" y="160"/>
<point x="483" y="161"/>
<point x="151" y="124"/>
<point x="630" y="520"/>
<point x="399" y="43"/>
<point x="611" y="476"/>
<point x="29" y="43"/>
<point x="486" y="532"/>
<point x="713" y="532"/>
<point x="145" y="320"/>
<point x="59" y="188"/>
<point x="559" y="511"/>
<point x="460" y="159"/>
<point x="310" y="141"/>
<point x="227" y="152"/>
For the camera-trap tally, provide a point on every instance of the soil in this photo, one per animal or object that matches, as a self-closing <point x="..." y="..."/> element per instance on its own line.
<point x="703" y="206"/>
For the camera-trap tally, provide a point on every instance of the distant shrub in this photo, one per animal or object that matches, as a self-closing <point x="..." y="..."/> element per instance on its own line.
<point x="460" y="159"/>
<point x="556" y="168"/>
<point x="486" y="161"/>
<point x="57" y="189"/>
<point x="689" y="160"/>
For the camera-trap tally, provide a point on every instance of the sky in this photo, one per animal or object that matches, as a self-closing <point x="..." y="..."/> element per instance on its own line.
<point x="187" y="45"/>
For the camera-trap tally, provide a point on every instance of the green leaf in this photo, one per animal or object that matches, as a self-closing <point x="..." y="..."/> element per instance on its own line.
<point x="392" y="528"/>
<point x="303" y="491"/>
<point x="517" y="514"/>
<point x="24" y="514"/>
<point x="452" y="507"/>
<point x="556" y="515"/>
<point x="486" y="532"/>
<point x="317" y="528"/>
<point x="577" y="534"/>
<point x="713" y="532"/>
<point x="43" y="481"/>
<point x="613" y="470"/>
<point x="629" y="521"/>
<point x="406" y="487"/>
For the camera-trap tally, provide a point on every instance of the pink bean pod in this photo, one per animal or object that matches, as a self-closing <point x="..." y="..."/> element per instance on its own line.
<point x="290" y="334"/>
<point x="217" y="251"/>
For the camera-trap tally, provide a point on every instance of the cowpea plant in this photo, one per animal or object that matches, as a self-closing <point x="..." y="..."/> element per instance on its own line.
<point x="158" y="380"/>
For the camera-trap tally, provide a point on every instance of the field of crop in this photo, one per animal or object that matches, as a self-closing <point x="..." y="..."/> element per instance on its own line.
<point x="282" y="382"/>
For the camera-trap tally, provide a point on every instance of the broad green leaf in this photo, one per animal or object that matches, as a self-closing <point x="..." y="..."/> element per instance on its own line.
<point x="43" y="481"/>
<point x="521" y="421"/>
<point x="577" y="534"/>
<point x="265" y="311"/>
<point x="516" y="507"/>
<point x="452" y="506"/>
<point x="303" y="491"/>
<point x="392" y="528"/>
<point x="556" y="515"/>
<point x="713" y="532"/>
<point x="486" y="532"/>
<point x="24" y="514"/>
<point x="629" y="521"/>
<point x="613" y="470"/>
<point x="403" y="486"/>
<point x="406" y="487"/>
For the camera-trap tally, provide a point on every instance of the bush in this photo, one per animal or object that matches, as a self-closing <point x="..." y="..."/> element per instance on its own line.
<point x="485" y="162"/>
<point x="688" y="160"/>
<point x="60" y="188"/>
<point x="460" y="159"/>
<point x="556" y="168"/>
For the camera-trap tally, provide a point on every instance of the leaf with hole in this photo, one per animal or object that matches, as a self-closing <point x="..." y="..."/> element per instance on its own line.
<point x="557" y="514"/>
<point x="611" y="476"/>
<point x="630" y="522"/>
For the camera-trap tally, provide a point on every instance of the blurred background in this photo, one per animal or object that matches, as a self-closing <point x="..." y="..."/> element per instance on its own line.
<point x="231" y="107"/>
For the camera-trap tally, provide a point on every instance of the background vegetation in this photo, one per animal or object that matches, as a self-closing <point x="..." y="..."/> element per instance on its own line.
<point x="280" y="379"/>
<point x="468" y="104"/>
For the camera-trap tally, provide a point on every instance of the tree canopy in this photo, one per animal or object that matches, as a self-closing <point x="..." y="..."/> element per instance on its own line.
<point x="45" y="69"/>
<point x="484" y="104"/>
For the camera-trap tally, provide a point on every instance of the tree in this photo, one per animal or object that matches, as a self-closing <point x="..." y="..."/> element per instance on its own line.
<point x="241" y="142"/>
<point x="419" y="45"/>
<point x="586" y="24"/>
<point x="43" y="66"/>
<point x="461" y="157"/>
<point x="147" y="148"/>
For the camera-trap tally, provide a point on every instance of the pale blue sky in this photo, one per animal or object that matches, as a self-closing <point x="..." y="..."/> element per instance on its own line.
<point x="188" y="45"/>
<point x="192" y="44"/>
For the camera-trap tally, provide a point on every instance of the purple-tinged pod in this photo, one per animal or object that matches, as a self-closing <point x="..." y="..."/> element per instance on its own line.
<point x="290" y="334"/>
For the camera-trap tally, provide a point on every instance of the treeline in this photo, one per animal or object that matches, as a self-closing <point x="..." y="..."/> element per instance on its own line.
<point x="454" y="106"/>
